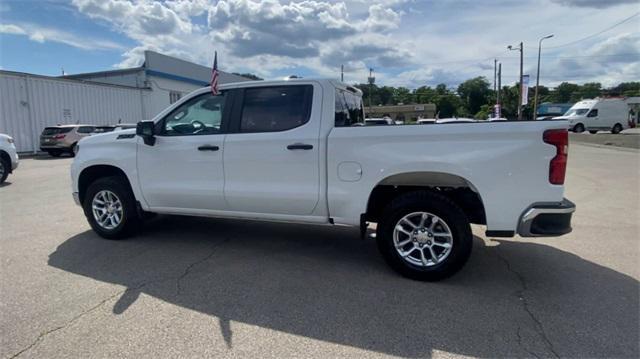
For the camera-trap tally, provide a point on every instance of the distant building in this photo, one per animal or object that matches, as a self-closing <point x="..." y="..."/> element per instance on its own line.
<point x="32" y="102"/>
<point x="402" y="112"/>
<point x="167" y="77"/>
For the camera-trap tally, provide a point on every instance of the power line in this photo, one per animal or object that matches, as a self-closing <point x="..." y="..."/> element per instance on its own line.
<point x="596" y="34"/>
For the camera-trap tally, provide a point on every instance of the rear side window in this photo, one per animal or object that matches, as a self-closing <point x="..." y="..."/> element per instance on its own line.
<point x="86" y="129"/>
<point x="349" y="110"/>
<point x="278" y="108"/>
<point x="56" y="130"/>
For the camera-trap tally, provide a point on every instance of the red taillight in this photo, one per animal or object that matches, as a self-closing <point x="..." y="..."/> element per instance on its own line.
<point x="558" y="164"/>
<point x="58" y="137"/>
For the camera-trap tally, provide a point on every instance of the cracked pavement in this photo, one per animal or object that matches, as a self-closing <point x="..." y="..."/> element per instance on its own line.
<point x="195" y="287"/>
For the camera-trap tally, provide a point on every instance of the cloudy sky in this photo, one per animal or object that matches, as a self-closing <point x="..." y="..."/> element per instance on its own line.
<point x="408" y="43"/>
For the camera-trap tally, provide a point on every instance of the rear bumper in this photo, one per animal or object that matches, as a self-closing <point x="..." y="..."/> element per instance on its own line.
<point x="547" y="219"/>
<point x="53" y="146"/>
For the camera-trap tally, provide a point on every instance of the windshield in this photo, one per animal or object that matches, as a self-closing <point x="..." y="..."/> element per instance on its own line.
<point x="577" y="112"/>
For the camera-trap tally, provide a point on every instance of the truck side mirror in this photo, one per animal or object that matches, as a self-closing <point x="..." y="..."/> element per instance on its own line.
<point x="146" y="129"/>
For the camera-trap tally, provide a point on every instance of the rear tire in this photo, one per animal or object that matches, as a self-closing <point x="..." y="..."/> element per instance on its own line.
<point x="415" y="259"/>
<point x="617" y="128"/>
<point x="579" y="128"/>
<point x="593" y="132"/>
<point x="5" y="167"/>
<point x="105" y="194"/>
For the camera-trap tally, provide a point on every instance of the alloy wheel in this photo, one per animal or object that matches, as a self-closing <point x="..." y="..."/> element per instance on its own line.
<point x="107" y="209"/>
<point x="422" y="239"/>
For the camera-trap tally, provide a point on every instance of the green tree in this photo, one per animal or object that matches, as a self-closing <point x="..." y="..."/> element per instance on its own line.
<point x="565" y="91"/>
<point x="625" y="89"/>
<point x="591" y="90"/>
<point x="474" y="93"/>
<point x="402" y="95"/>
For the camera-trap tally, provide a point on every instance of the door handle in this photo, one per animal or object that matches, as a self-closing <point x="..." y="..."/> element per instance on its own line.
<point x="300" y="146"/>
<point x="208" y="148"/>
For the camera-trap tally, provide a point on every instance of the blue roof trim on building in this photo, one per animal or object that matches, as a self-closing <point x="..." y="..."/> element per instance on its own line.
<point x="176" y="77"/>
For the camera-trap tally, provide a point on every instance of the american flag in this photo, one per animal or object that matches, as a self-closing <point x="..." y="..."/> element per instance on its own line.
<point x="214" y="75"/>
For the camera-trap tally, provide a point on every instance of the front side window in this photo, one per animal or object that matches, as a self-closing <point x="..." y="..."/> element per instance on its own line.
<point x="593" y="113"/>
<point x="201" y="115"/>
<point x="278" y="108"/>
<point x="577" y="112"/>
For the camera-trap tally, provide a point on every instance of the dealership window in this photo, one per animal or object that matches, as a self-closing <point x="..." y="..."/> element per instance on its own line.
<point x="269" y="109"/>
<point x="174" y="96"/>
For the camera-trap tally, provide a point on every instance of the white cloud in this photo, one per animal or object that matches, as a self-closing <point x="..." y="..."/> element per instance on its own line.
<point x="382" y="18"/>
<point x="408" y="42"/>
<point x="12" y="29"/>
<point x="599" y="4"/>
<point x="45" y="34"/>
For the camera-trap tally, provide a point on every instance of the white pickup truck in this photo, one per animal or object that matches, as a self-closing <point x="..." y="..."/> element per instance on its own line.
<point x="297" y="151"/>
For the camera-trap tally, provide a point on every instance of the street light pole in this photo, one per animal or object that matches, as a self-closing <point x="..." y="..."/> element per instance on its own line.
<point x="520" y="89"/>
<point x="535" y="97"/>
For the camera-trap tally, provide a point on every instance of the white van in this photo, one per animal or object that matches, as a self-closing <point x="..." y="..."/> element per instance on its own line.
<point x="610" y="114"/>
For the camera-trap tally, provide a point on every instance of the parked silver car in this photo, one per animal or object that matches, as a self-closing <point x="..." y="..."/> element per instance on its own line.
<point x="57" y="140"/>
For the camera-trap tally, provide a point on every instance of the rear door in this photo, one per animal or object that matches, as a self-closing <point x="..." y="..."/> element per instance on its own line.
<point x="271" y="156"/>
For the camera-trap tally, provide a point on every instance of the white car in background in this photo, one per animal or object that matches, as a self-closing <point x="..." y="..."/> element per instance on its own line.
<point x="379" y="121"/>
<point x="8" y="156"/>
<point x="426" y="121"/>
<point x="455" y="120"/>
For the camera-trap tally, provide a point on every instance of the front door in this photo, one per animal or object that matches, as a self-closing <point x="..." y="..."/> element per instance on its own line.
<point x="183" y="170"/>
<point x="272" y="153"/>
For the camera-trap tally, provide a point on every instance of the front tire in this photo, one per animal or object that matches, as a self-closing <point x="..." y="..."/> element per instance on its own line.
<point x="579" y="128"/>
<point x="110" y="208"/>
<point x="5" y="167"/>
<point x="424" y="236"/>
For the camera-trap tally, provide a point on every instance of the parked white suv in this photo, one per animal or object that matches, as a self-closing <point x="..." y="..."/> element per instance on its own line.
<point x="296" y="151"/>
<point x="8" y="156"/>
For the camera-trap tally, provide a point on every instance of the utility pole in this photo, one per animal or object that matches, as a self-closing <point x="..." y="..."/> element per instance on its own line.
<point x="520" y="89"/>
<point x="341" y="73"/>
<point x="535" y="97"/>
<point x="499" y="81"/>
<point x="499" y="90"/>
<point x="495" y="71"/>
<point x="371" y="79"/>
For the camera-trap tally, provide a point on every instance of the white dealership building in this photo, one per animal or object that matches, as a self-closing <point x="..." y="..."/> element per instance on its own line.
<point x="29" y="102"/>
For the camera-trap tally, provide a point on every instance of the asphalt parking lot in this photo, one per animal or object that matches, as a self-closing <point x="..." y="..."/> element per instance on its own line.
<point x="194" y="287"/>
<point x="629" y="138"/>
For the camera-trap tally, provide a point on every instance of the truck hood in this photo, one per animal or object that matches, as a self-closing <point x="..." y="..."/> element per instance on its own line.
<point x="109" y="137"/>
